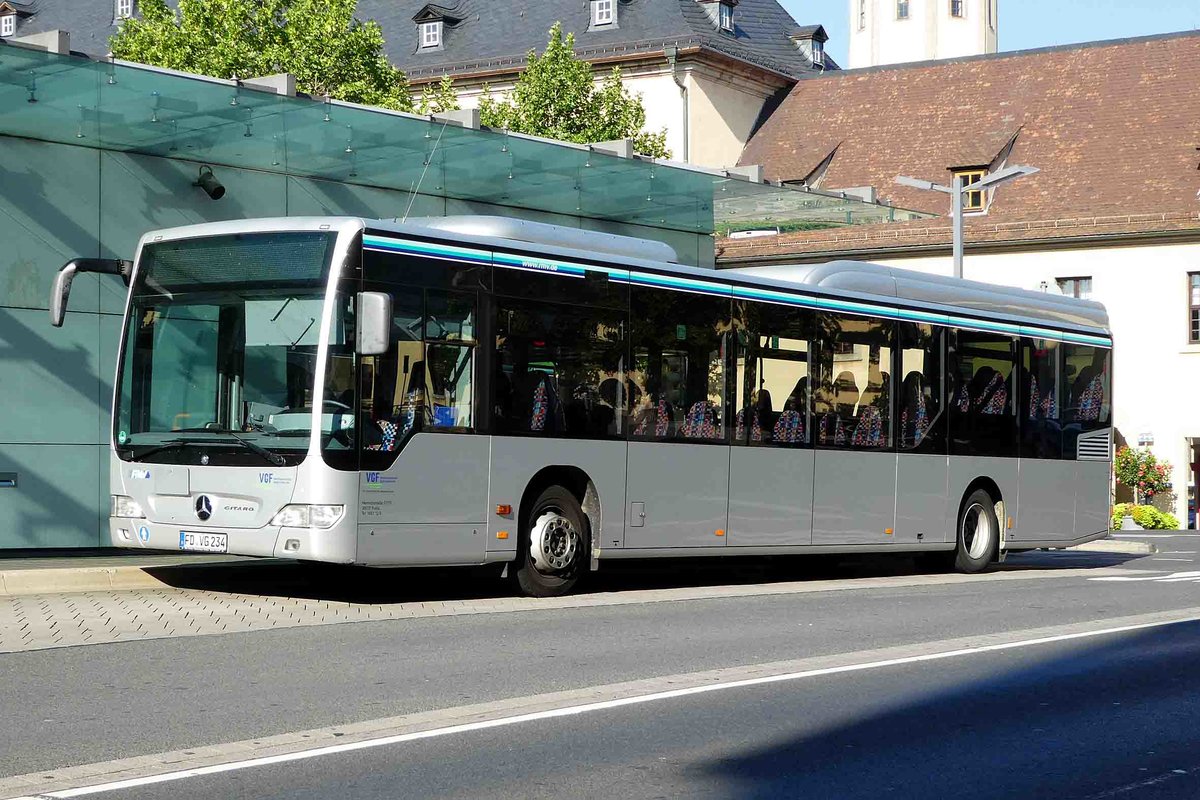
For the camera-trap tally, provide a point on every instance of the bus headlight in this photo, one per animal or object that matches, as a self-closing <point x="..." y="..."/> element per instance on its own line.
<point x="126" y="507"/>
<point x="307" y="516"/>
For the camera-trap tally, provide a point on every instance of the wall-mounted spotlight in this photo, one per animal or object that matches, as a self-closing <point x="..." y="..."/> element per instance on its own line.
<point x="209" y="183"/>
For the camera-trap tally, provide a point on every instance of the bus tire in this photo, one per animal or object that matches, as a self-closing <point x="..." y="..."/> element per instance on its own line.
<point x="553" y="547"/>
<point x="978" y="533"/>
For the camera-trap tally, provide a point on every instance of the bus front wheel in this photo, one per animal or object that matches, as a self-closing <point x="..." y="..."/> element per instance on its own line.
<point x="554" y="545"/>
<point x="978" y="533"/>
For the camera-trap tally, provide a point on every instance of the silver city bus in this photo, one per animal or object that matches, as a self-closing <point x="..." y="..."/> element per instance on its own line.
<point x="459" y="391"/>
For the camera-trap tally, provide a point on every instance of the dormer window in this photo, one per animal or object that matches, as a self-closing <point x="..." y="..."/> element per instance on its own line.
<point x="123" y="9"/>
<point x="431" y="34"/>
<point x="8" y="25"/>
<point x="973" y="200"/>
<point x="603" y="13"/>
<point x="725" y="16"/>
<point x="818" y="53"/>
<point x="956" y="8"/>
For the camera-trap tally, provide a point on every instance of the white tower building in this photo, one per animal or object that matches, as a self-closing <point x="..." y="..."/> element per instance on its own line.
<point x="895" y="31"/>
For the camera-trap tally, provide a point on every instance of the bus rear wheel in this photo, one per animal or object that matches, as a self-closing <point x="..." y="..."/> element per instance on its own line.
<point x="554" y="545"/>
<point x="978" y="533"/>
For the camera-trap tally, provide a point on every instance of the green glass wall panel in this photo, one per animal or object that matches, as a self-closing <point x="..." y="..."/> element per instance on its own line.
<point x="56" y="502"/>
<point x="51" y="378"/>
<point x="49" y="213"/>
<point x="308" y="196"/>
<point x="142" y="193"/>
<point x="110" y="339"/>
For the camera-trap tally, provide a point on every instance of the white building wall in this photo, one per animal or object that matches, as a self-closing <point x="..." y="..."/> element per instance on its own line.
<point x="710" y="127"/>
<point x="930" y="32"/>
<point x="1156" y="373"/>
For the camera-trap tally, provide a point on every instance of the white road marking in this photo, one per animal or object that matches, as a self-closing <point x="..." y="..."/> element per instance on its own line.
<point x="1173" y="577"/>
<point x="1143" y="784"/>
<point x="586" y="708"/>
<point x="1147" y="535"/>
<point x="1170" y="559"/>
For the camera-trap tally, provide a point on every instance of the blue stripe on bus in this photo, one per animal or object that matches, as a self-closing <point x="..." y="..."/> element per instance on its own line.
<point x="427" y="249"/>
<point x="571" y="269"/>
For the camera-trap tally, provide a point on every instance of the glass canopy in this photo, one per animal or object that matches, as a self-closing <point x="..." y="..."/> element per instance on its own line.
<point x="133" y="108"/>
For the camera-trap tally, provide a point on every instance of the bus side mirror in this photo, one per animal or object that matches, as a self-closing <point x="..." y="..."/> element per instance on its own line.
<point x="62" y="281"/>
<point x="374" y="323"/>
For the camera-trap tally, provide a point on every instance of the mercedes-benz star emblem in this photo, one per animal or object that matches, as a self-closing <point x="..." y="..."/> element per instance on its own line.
<point x="203" y="507"/>
<point x="204" y="460"/>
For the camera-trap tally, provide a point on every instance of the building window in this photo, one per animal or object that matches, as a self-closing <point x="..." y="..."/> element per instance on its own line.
<point x="123" y="9"/>
<point x="725" y="12"/>
<point x="1194" y="307"/>
<point x="8" y="25"/>
<point x="901" y="9"/>
<point x="972" y="201"/>
<point x="991" y="13"/>
<point x="431" y="34"/>
<point x="602" y="12"/>
<point x="862" y="15"/>
<point x="1075" y="287"/>
<point x="957" y="8"/>
<point x="818" y="51"/>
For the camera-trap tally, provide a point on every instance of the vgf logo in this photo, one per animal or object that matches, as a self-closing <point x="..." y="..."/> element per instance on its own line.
<point x="373" y="478"/>
<point x="265" y="478"/>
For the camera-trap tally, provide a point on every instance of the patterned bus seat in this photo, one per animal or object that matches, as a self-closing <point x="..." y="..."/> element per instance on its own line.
<point x="1090" y="400"/>
<point x="998" y="400"/>
<point x="698" y="424"/>
<point x="541" y="403"/>
<point x="756" y="429"/>
<point x="789" y="427"/>
<point x="869" y="430"/>
<point x="831" y="430"/>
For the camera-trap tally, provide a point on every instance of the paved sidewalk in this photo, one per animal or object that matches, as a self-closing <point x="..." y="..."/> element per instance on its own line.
<point x="42" y="572"/>
<point x="39" y="622"/>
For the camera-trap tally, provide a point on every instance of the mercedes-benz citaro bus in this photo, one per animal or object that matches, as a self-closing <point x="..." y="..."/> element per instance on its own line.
<point x="474" y="390"/>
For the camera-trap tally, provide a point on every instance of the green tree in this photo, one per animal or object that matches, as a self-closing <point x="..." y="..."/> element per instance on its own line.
<point x="557" y="97"/>
<point x="319" y="41"/>
<point x="437" y="97"/>
<point x="1142" y="472"/>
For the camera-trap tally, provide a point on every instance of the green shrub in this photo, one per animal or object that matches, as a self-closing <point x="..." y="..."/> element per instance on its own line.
<point x="1148" y="517"/>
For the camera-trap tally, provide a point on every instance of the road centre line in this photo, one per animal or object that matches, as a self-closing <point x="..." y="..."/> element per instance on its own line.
<point x="1067" y="633"/>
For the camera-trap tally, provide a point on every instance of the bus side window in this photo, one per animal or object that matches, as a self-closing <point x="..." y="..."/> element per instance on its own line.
<point x="982" y="419"/>
<point x="1041" y="399"/>
<point x="921" y="423"/>
<point x="392" y="385"/>
<point x="853" y="401"/>
<point x="559" y="370"/>
<point x="678" y="341"/>
<point x="772" y="374"/>
<point x="1087" y="377"/>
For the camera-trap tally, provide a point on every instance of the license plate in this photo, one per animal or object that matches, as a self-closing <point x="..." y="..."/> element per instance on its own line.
<point x="203" y="542"/>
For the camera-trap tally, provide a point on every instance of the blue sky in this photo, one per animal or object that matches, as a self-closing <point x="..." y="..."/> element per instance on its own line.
<point x="1033" y="23"/>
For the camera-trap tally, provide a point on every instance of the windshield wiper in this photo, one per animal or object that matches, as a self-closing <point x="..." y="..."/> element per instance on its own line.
<point x="273" y="458"/>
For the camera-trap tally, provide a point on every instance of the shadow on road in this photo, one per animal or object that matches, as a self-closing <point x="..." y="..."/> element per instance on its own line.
<point x="385" y="585"/>
<point x="1104" y="720"/>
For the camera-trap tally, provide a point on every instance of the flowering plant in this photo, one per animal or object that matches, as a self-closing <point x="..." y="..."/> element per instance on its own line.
<point x="1142" y="472"/>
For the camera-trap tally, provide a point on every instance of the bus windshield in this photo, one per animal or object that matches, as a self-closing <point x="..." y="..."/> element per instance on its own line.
<point x="219" y="360"/>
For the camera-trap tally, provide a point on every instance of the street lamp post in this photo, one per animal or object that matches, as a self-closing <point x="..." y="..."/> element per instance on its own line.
<point x="956" y="192"/>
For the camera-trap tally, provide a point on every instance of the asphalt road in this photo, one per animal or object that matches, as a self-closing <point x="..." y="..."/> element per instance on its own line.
<point x="1110" y="718"/>
<point x="1034" y="721"/>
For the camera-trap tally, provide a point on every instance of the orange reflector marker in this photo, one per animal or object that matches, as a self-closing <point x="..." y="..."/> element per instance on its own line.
<point x="504" y="509"/>
<point x="720" y="532"/>
<point x="501" y="534"/>
<point x="1010" y="523"/>
<point x="888" y="531"/>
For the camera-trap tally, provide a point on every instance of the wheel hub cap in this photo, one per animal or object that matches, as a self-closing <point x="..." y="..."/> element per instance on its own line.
<point x="553" y="542"/>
